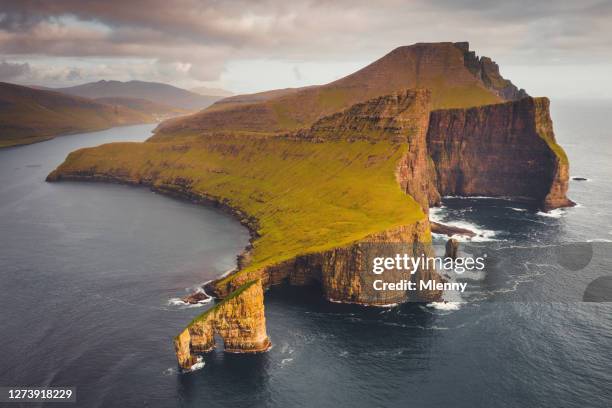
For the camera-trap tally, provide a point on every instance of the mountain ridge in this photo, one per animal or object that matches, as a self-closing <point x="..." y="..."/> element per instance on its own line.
<point x="157" y="92"/>
<point x="30" y="115"/>
<point x="454" y="74"/>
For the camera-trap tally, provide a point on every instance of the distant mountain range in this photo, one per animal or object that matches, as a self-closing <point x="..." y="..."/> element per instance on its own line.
<point x="36" y="113"/>
<point x="159" y="93"/>
<point x="30" y="115"/>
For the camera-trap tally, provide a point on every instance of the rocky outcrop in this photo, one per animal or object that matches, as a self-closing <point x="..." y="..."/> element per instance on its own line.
<point x="239" y="320"/>
<point x="451" y="249"/>
<point x="488" y="71"/>
<point x="501" y="150"/>
<point x="450" y="230"/>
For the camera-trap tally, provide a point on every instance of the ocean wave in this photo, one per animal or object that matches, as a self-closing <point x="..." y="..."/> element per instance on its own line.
<point x="197" y="366"/>
<point x="286" y="361"/>
<point x="436" y="214"/>
<point x="185" y="305"/>
<point x="505" y="198"/>
<point x="446" y="306"/>
<point x="557" y="213"/>
<point x="518" y="209"/>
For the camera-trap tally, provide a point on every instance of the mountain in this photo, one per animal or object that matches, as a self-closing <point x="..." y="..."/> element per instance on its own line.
<point x="30" y="115"/>
<point x="203" y="90"/>
<point x="153" y="91"/>
<point x="456" y="77"/>
<point x="145" y="106"/>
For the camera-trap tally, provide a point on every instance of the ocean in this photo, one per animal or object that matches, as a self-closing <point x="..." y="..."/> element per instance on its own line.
<point x="90" y="275"/>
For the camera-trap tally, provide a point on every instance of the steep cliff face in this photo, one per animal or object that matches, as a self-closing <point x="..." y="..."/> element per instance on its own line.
<point x="506" y="149"/>
<point x="239" y="320"/>
<point x="344" y="273"/>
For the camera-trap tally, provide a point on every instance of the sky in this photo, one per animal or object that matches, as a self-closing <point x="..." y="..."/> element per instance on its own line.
<point x="560" y="49"/>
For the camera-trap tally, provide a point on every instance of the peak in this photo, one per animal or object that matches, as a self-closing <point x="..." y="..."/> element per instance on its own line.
<point x="462" y="45"/>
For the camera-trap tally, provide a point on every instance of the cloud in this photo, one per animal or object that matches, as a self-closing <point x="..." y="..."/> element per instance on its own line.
<point x="10" y="71"/>
<point x="196" y="39"/>
<point x="296" y="73"/>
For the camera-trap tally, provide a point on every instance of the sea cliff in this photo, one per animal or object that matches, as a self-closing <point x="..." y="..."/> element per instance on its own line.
<point x="501" y="150"/>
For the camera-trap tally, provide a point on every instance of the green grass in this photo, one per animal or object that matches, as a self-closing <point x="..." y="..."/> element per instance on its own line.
<point x="544" y="129"/>
<point x="307" y="197"/>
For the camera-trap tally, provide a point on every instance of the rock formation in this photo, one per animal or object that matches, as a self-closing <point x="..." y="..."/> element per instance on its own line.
<point x="488" y="71"/>
<point x="451" y="249"/>
<point x="501" y="150"/>
<point x="239" y="320"/>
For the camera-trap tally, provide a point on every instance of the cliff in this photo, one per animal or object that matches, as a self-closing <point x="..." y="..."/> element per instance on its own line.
<point x="344" y="273"/>
<point x="501" y="150"/>
<point x="239" y="320"/>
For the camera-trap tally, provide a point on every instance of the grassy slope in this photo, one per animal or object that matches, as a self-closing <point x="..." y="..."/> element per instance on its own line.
<point x="29" y="115"/>
<point x="307" y="197"/>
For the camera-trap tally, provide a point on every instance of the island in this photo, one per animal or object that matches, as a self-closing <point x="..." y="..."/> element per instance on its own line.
<point x="324" y="176"/>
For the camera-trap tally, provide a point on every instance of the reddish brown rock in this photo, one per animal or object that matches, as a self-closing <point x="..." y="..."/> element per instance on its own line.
<point x="196" y="297"/>
<point x="450" y="230"/>
<point x="451" y="249"/>
<point x="501" y="150"/>
<point x="239" y="320"/>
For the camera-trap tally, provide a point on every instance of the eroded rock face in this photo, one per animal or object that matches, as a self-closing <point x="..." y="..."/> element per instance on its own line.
<point x="506" y="149"/>
<point x="345" y="274"/>
<point x="239" y="320"/>
<point x="488" y="71"/>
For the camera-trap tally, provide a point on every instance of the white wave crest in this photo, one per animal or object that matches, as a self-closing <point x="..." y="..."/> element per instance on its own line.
<point x="518" y="209"/>
<point x="447" y="306"/>
<point x="436" y="214"/>
<point x="198" y="366"/>
<point x="558" y="213"/>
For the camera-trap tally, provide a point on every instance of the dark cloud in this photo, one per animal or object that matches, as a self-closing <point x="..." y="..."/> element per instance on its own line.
<point x="197" y="37"/>
<point x="10" y="71"/>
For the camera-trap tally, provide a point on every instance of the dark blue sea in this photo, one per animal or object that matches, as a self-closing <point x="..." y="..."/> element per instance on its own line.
<point x="90" y="273"/>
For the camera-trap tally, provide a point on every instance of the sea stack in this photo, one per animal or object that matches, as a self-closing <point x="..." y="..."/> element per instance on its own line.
<point x="239" y="320"/>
